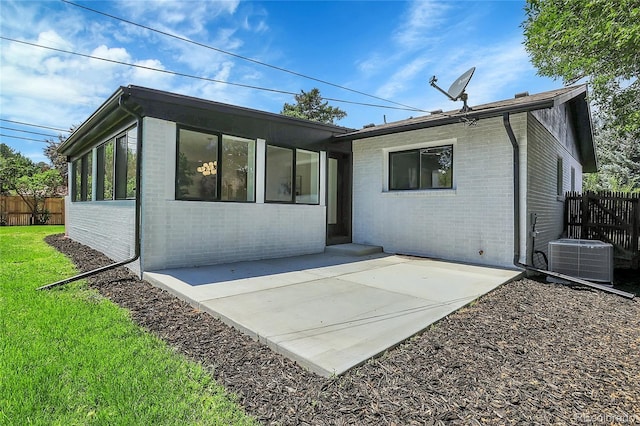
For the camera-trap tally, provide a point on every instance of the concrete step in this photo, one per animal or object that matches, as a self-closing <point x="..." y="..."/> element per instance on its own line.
<point x="352" y="249"/>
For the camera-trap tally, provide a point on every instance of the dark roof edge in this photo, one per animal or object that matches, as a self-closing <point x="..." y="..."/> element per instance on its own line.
<point x="570" y="94"/>
<point x="447" y="119"/>
<point x="98" y="115"/>
<point x="134" y="93"/>
<point x="139" y="92"/>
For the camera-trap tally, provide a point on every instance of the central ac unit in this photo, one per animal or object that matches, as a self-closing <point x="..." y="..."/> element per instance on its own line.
<point x="586" y="259"/>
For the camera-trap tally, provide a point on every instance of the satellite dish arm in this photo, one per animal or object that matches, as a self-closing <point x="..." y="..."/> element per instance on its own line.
<point x="432" y="81"/>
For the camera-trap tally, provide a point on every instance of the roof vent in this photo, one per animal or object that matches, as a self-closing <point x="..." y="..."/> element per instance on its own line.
<point x="435" y="111"/>
<point x="521" y="95"/>
<point x="366" y="126"/>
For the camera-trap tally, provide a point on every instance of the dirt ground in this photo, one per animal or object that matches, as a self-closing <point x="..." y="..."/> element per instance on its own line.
<point x="528" y="353"/>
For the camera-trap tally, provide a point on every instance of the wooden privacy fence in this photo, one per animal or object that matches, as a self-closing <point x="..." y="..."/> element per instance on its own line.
<point x="612" y="217"/>
<point x="15" y="212"/>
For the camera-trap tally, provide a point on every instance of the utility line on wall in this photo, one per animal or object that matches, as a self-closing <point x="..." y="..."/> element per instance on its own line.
<point x="255" y="61"/>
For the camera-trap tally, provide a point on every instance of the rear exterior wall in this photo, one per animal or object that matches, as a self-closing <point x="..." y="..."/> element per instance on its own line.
<point x="473" y="222"/>
<point x="192" y="233"/>
<point x="550" y="137"/>
<point x="106" y="226"/>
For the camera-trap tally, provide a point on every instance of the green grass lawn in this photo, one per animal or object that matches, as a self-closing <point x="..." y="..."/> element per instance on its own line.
<point x="71" y="357"/>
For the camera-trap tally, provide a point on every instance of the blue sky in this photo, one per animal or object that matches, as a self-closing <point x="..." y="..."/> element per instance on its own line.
<point x="388" y="49"/>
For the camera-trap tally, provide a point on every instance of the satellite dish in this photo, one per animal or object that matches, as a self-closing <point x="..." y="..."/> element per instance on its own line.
<point x="456" y="91"/>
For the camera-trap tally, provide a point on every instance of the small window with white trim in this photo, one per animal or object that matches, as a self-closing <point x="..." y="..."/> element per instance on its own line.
<point x="422" y="168"/>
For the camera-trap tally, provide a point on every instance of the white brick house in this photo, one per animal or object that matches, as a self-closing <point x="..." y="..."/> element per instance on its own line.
<point x="220" y="183"/>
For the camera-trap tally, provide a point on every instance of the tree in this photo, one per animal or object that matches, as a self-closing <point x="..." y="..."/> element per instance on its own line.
<point x="32" y="182"/>
<point x="34" y="189"/>
<point x="619" y="157"/>
<point x="12" y="166"/>
<point x="58" y="162"/>
<point x="595" y="40"/>
<point x="309" y="106"/>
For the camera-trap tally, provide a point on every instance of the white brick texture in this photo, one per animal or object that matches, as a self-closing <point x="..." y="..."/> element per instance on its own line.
<point x="473" y="222"/>
<point x="193" y="233"/>
<point x="107" y="226"/>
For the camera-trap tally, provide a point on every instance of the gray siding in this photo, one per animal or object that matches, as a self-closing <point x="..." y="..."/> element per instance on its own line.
<point x="549" y="137"/>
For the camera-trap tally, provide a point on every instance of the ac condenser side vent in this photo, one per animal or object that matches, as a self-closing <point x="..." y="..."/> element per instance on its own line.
<point x="586" y="259"/>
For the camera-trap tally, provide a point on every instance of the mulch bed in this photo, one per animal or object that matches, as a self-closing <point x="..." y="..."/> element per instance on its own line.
<point x="527" y="353"/>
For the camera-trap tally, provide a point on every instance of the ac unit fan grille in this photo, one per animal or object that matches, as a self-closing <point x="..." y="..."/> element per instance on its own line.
<point x="587" y="259"/>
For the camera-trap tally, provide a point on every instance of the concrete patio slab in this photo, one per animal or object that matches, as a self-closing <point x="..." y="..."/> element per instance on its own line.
<point x="331" y="312"/>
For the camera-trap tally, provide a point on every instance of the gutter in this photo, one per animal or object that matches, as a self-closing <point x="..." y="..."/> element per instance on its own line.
<point x="516" y="223"/>
<point x="138" y="209"/>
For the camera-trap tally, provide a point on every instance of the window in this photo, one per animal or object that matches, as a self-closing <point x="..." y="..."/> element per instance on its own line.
<point x="424" y="168"/>
<point x="279" y="173"/>
<point x="292" y="175"/>
<point x="125" y="164"/>
<point x="573" y="179"/>
<point x="105" y="166"/>
<point x="115" y="171"/>
<point x="76" y="180"/>
<point x="81" y="170"/>
<point x="213" y="167"/>
<point x="87" y="176"/>
<point x="559" y="178"/>
<point x="237" y="169"/>
<point x="307" y="181"/>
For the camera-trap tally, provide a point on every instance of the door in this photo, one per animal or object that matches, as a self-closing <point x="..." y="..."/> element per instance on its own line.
<point x="338" y="198"/>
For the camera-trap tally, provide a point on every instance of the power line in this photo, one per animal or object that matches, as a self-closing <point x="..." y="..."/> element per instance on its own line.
<point x="255" y="61"/>
<point x="27" y="131"/>
<point x="194" y="76"/>
<point x="33" y="125"/>
<point x="24" y="139"/>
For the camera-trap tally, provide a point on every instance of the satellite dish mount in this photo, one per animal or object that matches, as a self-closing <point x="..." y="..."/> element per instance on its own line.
<point x="456" y="91"/>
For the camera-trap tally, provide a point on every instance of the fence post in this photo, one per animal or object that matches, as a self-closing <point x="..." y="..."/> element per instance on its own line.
<point x="584" y="205"/>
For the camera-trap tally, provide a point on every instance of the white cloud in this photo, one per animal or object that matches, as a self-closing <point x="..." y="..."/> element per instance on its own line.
<point x="417" y="28"/>
<point x="404" y="77"/>
<point x="186" y="17"/>
<point x="498" y="68"/>
<point x="149" y="78"/>
<point x="53" y="39"/>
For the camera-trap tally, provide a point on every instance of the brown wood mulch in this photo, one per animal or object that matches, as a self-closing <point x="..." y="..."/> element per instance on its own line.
<point x="527" y="353"/>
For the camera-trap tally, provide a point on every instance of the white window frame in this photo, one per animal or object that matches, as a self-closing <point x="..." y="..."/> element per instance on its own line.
<point x="431" y="144"/>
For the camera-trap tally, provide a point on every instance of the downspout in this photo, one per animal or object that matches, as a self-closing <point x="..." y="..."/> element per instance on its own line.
<point x="516" y="189"/>
<point x="138" y="208"/>
<point x="516" y="223"/>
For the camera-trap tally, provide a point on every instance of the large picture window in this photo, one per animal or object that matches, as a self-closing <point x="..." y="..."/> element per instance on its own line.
<point x="424" y="168"/>
<point x="214" y="167"/>
<point x="279" y="174"/>
<point x="292" y="175"/>
<point x="237" y="169"/>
